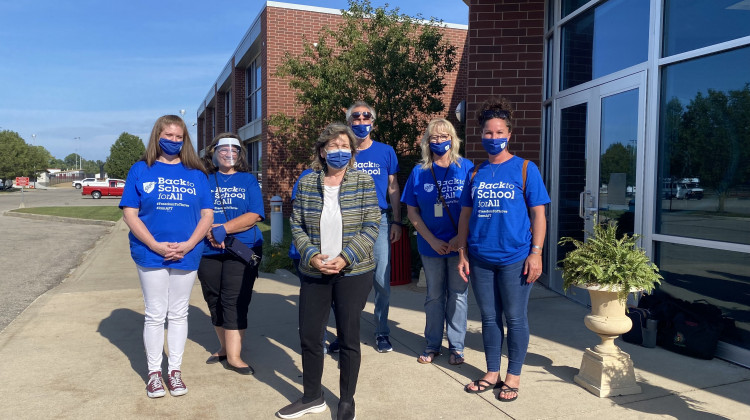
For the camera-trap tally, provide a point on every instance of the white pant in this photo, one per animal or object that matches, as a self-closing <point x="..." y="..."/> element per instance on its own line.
<point x="166" y="293"/>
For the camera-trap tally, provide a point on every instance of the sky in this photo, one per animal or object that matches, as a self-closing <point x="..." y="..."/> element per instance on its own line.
<point x="78" y="73"/>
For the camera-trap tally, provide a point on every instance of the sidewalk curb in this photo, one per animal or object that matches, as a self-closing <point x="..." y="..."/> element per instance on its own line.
<point x="62" y="219"/>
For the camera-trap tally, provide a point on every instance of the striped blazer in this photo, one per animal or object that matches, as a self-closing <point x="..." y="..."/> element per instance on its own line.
<point x="360" y="215"/>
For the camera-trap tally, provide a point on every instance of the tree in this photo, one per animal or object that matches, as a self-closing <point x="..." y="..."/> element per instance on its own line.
<point x="127" y="150"/>
<point x="618" y="158"/>
<point x="72" y="161"/>
<point x="715" y="135"/>
<point x="17" y="158"/>
<point x="395" y="62"/>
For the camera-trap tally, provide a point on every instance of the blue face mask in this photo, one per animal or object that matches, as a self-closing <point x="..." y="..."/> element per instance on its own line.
<point x="494" y="146"/>
<point x="362" y="130"/>
<point x="339" y="158"/>
<point x="170" y="147"/>
<point x="440" y="148"/>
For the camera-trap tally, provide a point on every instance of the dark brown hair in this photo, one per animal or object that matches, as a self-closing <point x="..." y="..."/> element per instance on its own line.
<point x="496" y="107"/>
<point x="240" y="166"/>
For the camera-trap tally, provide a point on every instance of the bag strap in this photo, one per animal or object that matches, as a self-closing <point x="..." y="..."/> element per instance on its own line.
<point x="523" y="174"/>
<point x="440" y="194"/>
<point x="216" y="178"/>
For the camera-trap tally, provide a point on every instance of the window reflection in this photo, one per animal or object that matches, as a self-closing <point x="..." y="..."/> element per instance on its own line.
<point x="721" y="277"/>
<point x="618" y="141"/>
<point x="704" y="142"/>
<point x="692" y="24"/>
<point x="610" y="37"/>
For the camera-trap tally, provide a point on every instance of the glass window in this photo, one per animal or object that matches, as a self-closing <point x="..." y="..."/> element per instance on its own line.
<point x="253" y="92"/>
<point x="692" y="24"/>
<point x="549" y="68"/>
<point x="610" y="37"/>
<point x="249" y="94"/>
<point x="228" y="111"/>
<point x="572" y="172"/>
<point x="704" y="146"/>
<point x="570" y="6"/>
<point x="721" y="277"/>
<point x="254" y="158"/>
<point x="618" y="143"/>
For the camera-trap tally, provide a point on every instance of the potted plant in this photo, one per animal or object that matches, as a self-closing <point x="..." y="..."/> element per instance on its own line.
<point x="608" y="262"/>
<point x="610" y="268"/>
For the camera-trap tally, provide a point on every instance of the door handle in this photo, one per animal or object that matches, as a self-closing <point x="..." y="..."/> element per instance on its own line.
<point x="581" y="205"/>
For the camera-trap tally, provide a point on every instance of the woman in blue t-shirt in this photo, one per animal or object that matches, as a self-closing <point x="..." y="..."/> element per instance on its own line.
<point x="227" y="281"/>
<point x="431" y="195"/>
<point x="501" y="233"/>
<point x="168" y="207"/>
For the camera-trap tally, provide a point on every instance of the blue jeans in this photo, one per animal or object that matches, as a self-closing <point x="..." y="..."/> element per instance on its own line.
<point x="382" y="284"/>
<point x="445" y="303"/>
<point x="502" y="290"/>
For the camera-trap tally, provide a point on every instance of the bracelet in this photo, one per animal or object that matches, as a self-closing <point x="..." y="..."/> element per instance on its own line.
<point x="536" y="253"/>
<point x="536" y="247"/>
<point x="396" y="223"/>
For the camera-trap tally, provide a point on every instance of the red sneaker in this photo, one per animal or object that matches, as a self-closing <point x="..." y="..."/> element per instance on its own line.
<point x="155" y="387"/>
<point x="175" y="384"/>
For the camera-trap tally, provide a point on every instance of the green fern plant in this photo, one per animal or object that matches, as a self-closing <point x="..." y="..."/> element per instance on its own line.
<point x="606" y="260"/>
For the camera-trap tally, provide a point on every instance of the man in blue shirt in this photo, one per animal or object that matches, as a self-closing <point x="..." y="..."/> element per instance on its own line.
<point x="380" y="161"/>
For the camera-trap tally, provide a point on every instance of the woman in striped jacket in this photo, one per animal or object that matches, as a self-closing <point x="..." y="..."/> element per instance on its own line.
<point x="334" y="226"/>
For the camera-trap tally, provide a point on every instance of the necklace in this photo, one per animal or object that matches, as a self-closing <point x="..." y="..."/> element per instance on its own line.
<point x="493" y="168"/>
<point x="228" y="177"/>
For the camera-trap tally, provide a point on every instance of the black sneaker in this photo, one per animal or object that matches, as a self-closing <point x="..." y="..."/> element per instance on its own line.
<point x="299" y="409"/>
<point x="384" y="344"/>
<point x="346" y="411"/>
<point x="334" y="347"/>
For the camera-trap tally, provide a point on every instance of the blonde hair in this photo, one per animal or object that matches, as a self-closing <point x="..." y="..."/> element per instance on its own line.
<point x="188" y="157"/>
<point x="435" y="125"/>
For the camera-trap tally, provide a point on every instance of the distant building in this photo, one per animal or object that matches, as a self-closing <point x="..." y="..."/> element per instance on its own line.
<point x="247" y="92"/>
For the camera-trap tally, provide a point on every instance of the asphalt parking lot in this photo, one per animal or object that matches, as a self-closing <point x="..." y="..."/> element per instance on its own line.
<point x="36" y="255"/>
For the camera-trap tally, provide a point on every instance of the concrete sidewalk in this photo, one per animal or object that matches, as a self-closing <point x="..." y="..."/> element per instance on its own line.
<point x="77" y="352"/>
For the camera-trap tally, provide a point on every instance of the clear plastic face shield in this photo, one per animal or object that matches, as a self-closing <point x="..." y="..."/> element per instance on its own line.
<point x="226" y="152"/>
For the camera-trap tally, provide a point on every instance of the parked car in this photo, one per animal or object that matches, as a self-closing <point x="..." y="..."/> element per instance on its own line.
<point x="83" y="182"/>
<point x="113" y="188"/>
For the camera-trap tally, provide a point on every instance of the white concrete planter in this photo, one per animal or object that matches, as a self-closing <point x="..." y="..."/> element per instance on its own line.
<point x="606" y="370"/>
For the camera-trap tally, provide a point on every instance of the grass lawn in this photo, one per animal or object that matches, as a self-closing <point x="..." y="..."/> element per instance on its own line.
<point x="112" y="214"/>
<point x="275" y="256"/>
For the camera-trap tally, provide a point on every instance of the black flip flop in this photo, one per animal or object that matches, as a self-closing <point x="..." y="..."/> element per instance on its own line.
<point x="504" y="388"/>
<point x="479" y="386"/>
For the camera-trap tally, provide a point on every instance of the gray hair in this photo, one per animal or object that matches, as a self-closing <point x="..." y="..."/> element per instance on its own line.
<point x="357" y="105"/>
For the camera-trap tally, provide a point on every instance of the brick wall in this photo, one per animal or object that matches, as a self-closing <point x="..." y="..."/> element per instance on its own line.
<point x="285" y="35"/>
<point x="505" y="57"/>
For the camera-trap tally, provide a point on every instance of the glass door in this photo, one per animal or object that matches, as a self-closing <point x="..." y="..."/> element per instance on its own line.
<point x="598" y="135"/>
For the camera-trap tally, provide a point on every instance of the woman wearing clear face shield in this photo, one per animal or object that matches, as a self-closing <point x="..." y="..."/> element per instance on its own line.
<point x="227" y="280"/>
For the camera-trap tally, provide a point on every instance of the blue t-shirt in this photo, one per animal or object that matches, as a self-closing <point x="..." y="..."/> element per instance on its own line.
<point x="499" y="228"/>
<point x="379" y="160"/>
<point x="169" y="199"/>
<point x="420" y="191"/>
<point x="293" y="253"/>
<point x="241" y="194"/>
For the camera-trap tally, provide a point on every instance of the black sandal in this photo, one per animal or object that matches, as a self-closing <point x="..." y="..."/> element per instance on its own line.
<point x="480" y="387"/>
<point x="505" y="389"/>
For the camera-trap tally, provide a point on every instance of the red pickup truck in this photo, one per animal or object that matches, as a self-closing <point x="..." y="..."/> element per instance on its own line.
<point x="113" y="188"/>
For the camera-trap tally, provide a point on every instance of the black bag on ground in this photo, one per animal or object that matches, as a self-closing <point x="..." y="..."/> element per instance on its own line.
<point x="639" y="317"/>
<point x="692" y="329"/>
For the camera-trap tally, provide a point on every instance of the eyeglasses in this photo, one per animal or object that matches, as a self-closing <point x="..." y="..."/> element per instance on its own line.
<point x="489" y="114"/>
<point x="439" y="138"/>
<point x="367" y="115"/>
<point x="227" y="150"/>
